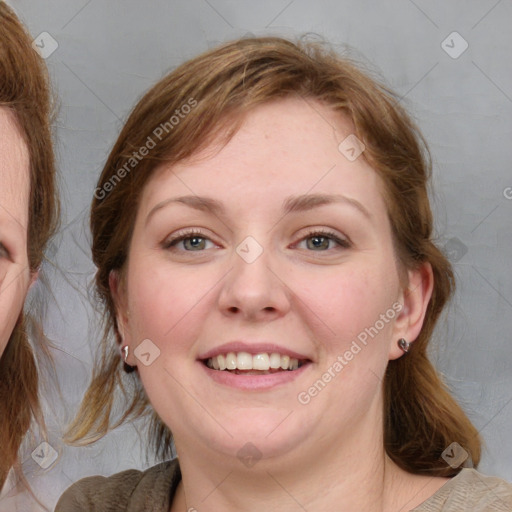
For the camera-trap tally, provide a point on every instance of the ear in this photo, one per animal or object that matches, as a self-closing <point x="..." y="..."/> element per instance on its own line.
<point x="118" y="296"/>
<point x="415" y="299"/>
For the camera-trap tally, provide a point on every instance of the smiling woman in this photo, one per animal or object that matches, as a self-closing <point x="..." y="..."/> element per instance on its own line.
<point x="28" y="217"/>
<point x="280" y="224"/>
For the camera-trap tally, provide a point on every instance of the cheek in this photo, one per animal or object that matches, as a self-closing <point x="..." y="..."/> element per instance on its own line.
<point x="347" y="302"/>
<point x="166" y="305"/>
<point x="353" y="336"/>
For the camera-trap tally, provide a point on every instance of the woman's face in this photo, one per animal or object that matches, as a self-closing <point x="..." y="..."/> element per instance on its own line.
<point x="258" y="276"/>
<point x="14" y="197"/>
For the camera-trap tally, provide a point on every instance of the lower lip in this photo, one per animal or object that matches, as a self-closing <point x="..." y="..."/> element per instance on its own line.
<point x="254" y="382"/>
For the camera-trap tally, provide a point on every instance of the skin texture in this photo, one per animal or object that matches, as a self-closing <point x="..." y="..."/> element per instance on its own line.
<point x="313" y="301"/>
<point x="15" y="276"/>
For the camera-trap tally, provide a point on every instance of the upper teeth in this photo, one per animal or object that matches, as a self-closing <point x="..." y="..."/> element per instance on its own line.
<point x="246" y="361"/>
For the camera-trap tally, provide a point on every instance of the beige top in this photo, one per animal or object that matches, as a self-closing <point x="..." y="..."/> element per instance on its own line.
<point x="153" y="491"/>
<point x="470" y="491"/>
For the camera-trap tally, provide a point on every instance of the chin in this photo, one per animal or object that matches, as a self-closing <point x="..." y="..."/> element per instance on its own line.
<point x="256" y="433"/>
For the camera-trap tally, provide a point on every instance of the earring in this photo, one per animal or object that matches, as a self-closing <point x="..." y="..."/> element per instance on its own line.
<point x="127" y="368"/>
<point x="125" y="350"/>
<point x="404" y="345"/>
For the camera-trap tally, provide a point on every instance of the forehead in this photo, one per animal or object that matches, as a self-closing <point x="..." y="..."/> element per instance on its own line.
<point x="14" y="172"/>
<point x="285" y="147"/>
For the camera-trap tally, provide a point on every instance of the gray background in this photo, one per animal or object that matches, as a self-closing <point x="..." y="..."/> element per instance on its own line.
<point x="110" y="52"/>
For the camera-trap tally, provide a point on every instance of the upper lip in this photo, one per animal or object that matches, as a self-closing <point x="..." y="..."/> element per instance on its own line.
<point x="252" y="348"/>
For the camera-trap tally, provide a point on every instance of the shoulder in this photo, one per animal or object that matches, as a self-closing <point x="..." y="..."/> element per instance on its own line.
<point x="151" y="489"/>
<point x="470" y="490"/>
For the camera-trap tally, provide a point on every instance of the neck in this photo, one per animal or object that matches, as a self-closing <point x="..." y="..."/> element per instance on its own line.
<point x="351" y="476"/>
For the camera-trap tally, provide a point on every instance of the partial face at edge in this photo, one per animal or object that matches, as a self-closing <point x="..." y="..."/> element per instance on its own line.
<point x="309" y="293"/>
<point x="14" y="199"/>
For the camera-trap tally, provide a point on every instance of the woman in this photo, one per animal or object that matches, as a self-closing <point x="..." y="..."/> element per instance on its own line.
<point x="262" y="234"/>
<point x="28" y="217"/>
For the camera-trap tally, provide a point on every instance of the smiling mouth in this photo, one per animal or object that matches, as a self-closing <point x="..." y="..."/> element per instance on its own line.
<point x="243" y="363"/>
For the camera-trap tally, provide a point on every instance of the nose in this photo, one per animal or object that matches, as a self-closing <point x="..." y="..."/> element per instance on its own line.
<point x="254" y="290"/>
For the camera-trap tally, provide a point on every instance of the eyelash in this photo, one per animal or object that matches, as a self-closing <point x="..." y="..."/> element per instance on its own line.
<point x="191" y="233"/>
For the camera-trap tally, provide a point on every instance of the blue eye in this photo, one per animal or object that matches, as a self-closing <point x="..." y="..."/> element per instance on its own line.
<point x="194" y="241"/>
<point x="321" y="240"/>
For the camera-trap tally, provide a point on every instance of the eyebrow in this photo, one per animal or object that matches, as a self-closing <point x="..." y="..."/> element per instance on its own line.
<point x="291" y="204"/>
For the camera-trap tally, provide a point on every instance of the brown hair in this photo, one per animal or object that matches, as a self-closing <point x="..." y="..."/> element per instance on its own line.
<point x="24" y="89"/>
<point x="421" y="417"/>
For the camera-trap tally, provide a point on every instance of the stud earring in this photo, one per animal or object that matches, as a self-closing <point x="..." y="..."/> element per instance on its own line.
<point x="404" y="345"/>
